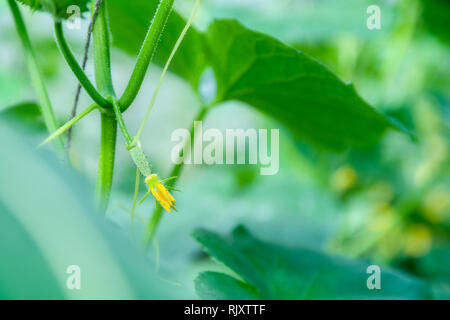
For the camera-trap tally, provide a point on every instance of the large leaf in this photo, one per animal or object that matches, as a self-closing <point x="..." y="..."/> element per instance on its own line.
<point x="24" y="273"/>
<point x="129" y="23"/>
<point x="48" y="223"/>
<point x="292" y="87"/>
<point x="277" y="272"/>
<point x="261" y="71"/>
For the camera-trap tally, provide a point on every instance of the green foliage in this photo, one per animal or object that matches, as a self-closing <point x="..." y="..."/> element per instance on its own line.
<point x="259" y="70"/>
<point x="129" y="22"/>
<point x="27" y="115"/>
<point x="291" y="87"/>
<point x="49" y="223"/>
<point x="219" y="286"/>
<point x="277" y="272"/>
<point x="36" y="277"/>
<point x="387" y="203"/>
<point x="435" y="16"/>
<point x="56" y="7"/>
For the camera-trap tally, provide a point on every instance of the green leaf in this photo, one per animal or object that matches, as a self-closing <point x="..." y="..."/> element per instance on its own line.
<point x="259" y="70"/>
<point x="48" y="222"/>
<point x="129" y="21"/>
<point x="56" y="7"/>
<point x="219" y="286"/>
<point x="435" y="17"/>
<point x="279" y="272"/>
<point x="27" y="115"/>
<point x="441" y="291"/>
<point x="26" y="282"/>
<point x="292" y="87"/>
<point x="24" y="110"/>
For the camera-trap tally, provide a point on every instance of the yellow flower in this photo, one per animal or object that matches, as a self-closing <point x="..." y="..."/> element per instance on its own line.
<point x="159" y="191"/>
<point x="344" y="178"/>
<point x="418" y="240"/>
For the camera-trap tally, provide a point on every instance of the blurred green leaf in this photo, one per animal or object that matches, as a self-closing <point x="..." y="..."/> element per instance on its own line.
<point x="24" y="110"/>
<point x="292" y="87"/>
<point x="219" y="286"/>
<point x="294" y="273"/>
<point x="436" y="17"/>
<point x="25" y="274"/>
<point x="27" y="115"/>
<point x="48" y="223"/>
<point x="129" y="21"/>
<point x="441" y="292"/>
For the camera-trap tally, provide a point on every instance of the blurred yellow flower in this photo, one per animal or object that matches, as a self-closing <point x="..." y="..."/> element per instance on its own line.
<point x="436" y="205"/>
<point x="344" y="178"/>
<point x="417" y="240"/>
<point x="381" y="191"/>
<point x="382" y="218"/>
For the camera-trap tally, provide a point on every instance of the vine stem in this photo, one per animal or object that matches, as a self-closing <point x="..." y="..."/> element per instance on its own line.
<point x="121" y="122"/>
<point x="102" y="70"/>
<point x="69" y="124"/>
<point x="76" y="68"/>
<point x="83" y="66"/>
<point x="175" y="172"/>
<point x="102" y="55"/>
<point x="106" y="157"/>
<point x="146" y="53"/>
<point x="135" y="196"/>
<point x="166" y="67"/>
<point x="36" y="76"/>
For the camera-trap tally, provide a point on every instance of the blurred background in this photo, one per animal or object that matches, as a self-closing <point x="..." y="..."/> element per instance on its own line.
<point x="389" y="204"/>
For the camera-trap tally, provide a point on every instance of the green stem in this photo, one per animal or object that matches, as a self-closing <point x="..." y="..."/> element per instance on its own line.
<point x="36" y="75"/>
<point x="106" y="159"/>
<point x="102" y="67"/>
<point x="136" y="152"/>
<point x="166" y="67"/>
<point x="102" y="54"/>
<point x="176" y="171"/>
<point x="69" y="124"/>
<point x="76" y="68"/>
<point x="135" y="196"/>
<point x="146" y="53"/>
<point x="122" y="126"/>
